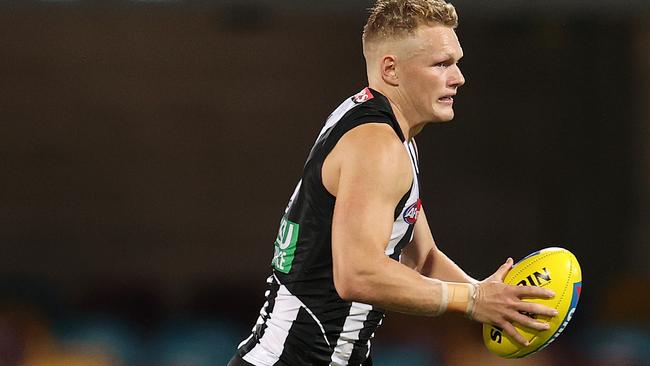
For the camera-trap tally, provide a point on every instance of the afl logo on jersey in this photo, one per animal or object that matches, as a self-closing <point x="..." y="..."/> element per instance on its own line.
<point x="411" y="213"/>
<point x="363" y="96"/>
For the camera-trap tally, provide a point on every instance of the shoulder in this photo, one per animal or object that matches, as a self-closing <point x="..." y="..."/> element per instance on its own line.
<point x="374" y="152"/>
<point x="375" y="139"/>
<point x="367" y="158"/>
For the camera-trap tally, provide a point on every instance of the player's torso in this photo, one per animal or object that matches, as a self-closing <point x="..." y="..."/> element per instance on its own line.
<point x="304" y="321"/>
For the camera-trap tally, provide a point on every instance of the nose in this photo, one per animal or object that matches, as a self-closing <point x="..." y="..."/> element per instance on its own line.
<point x="456" y="79"/>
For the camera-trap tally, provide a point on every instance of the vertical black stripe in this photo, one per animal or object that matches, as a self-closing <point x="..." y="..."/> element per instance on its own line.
<point x="401" y="204"/>
<point x="331" y="313"/>
<point x="305" y="344"/>
<point x="403" y="242"/>
<point x="259" y="330"/>
<point x="414" y="158"/>
<point x="360" y="349"/>
<point x="415" y="149"/>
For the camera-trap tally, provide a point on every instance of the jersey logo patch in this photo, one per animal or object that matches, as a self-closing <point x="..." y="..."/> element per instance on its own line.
<point x="363" y="96"/>
<point x="411" y="213"/>
<point x="285" y="245"/>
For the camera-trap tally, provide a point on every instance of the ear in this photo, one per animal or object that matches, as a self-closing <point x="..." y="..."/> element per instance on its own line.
<point x="388" y="70"/>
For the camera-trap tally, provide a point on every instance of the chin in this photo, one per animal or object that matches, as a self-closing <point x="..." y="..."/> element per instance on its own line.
<point x="443" y="117"/>
<point x="444" y="114"/>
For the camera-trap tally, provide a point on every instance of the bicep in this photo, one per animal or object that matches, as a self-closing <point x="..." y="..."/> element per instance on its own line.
<point x="372" y="179"/>
<point x="362" y="220"/>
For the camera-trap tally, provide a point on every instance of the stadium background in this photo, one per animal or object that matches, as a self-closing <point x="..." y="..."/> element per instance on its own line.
<point x="148" y="149"/>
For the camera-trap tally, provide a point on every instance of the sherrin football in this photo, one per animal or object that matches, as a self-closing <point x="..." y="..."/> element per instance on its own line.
<point x="556" y="269"/>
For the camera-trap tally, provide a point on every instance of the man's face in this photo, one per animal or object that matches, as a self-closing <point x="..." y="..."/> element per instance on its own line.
<point x="428" y="73"/>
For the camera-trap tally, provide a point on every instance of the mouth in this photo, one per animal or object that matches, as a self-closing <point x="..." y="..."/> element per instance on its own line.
<point x="447" y="99"/>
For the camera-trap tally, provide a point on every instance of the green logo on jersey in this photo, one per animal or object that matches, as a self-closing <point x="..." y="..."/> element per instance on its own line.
<point x="285" y="245"/>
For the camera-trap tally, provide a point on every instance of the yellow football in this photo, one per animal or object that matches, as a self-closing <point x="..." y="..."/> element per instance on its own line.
<point x="556" y="269"/>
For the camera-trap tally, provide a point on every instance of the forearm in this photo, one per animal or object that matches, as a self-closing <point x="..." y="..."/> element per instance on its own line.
<point x="423" y="256"/>
<point x="401" y="289"/>
<point x="438" y="265"/>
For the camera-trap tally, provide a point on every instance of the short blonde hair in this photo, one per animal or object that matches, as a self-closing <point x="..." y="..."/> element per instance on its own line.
<point x="397" y="18"/>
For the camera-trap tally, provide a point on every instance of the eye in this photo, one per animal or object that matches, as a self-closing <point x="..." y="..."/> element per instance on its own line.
<point x="444" y="64"/>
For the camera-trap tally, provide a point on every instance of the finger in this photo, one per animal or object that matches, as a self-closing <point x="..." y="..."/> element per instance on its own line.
<point x="531" y="307"/>
<point x="534" y="292"/>
<point x="503" y="270"/>
<point x="516" y="336"/>
<point x="529" y="323"/>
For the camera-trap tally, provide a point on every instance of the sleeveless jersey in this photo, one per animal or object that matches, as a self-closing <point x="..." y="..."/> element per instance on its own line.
<point x="304" y="321"/>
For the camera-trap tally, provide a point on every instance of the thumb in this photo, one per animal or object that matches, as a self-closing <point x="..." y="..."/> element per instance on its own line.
<point x="500" y="274"/>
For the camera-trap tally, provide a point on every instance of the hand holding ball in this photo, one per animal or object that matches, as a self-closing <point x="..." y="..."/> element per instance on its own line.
<point x="554" y="269"/>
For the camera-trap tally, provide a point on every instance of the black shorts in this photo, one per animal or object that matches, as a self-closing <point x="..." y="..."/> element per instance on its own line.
<point x="238" y="361"/>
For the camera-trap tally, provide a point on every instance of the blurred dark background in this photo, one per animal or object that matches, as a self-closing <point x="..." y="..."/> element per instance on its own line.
<point x="149" y="149"/>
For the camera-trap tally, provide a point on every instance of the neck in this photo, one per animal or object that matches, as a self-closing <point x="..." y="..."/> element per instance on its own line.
<point x="410" y="126"/>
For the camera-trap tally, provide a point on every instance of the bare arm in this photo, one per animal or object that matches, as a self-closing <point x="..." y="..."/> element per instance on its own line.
<point x="373" y="174"/>
<point x="368" y="172"/>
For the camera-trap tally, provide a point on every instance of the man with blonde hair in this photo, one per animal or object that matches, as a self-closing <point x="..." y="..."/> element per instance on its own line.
<point x="354" y="240"/>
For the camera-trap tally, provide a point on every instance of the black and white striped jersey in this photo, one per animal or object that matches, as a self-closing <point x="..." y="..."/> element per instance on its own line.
<point x="304" y="321"/>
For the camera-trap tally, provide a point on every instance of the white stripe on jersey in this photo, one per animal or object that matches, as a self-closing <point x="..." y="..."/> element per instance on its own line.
<point x="293" y="196"/>
<point x="350" y="333"/>
<point x="285" y="311"/>
<point x="400" y="226"/>
<point x="414" y="155"/>
<point x="263" y="314"/>
<point x="246" y="340"/>
<point x="336" y="116"/>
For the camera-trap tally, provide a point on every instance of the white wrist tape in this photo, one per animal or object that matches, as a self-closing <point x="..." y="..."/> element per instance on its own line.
<point x="472" y="300"/>
<point x="458" y="297"/>
<point x="444" y="299"/>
